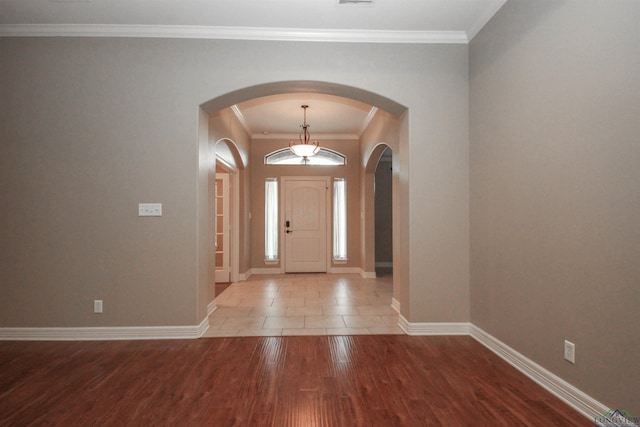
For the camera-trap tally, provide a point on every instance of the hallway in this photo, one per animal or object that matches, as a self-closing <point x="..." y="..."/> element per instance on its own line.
<point x="305" y="304"/>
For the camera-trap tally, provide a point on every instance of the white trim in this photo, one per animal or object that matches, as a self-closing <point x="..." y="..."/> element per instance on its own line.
<point x="395" y="304"/>
<point x="564" y="391"/>
<point x="484" y="19"/>
<point x="344" y="270"/>
<point x="295" y="136"/>
<point x="105" y="333"/>
<point x="440" y="328"/>
<point x="211" y="307"/>
<point x="367" y="120"/>
<point x="242" y="277"/>
<point x="386" y="264"/>
<point x="233" y="33"/>
<point x="241" y="119"/>
<point x="368" y="274"/>
<point x="265" y="270"/>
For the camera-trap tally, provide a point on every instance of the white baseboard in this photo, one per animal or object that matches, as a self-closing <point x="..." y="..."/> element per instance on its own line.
<point x="343" y="270"/>
<point x="368" y="274"/>
<point x="105" y="333"/>
<point x="395" y="304"/>
<point x="211" y="307"/>
<point x="440" y="328"/>
<point x="275" y="270"/>
<point x="384" y="264"/>
<point x="242" y="277"/>
<point x="564" y="391"/>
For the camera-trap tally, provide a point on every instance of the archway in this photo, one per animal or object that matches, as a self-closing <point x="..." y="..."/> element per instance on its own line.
<point x="390" y="107"/>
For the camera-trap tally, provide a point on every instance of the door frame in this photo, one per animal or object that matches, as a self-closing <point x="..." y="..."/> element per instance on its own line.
<point x="329" y="217"/>
<point x="224" y="178"/>
<point x="234" y="215"/>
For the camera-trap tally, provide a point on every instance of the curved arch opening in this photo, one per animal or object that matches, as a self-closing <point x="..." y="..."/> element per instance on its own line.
<point x="303" y="86"/>
<point x="369" y="158"/>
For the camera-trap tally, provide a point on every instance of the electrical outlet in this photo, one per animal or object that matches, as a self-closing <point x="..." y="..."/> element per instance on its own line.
<point x="569" y="351"/>
<point x="149" y="209"/>
<point x="97" y="306"/>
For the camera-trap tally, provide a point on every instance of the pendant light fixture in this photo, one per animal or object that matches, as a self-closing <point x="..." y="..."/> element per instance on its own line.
<point x="304" y="148"/>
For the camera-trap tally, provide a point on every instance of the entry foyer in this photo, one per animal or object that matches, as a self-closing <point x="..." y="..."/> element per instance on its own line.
<point x="305" y="304"/>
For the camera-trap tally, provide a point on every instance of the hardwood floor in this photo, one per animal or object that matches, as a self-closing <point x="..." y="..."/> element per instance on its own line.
<point x="368" y="380"/>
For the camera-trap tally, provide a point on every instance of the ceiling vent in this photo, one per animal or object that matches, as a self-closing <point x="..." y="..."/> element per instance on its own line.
<point x="355" y="2"/>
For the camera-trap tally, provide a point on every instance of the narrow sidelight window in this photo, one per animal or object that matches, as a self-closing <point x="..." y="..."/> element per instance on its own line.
<point x="271" y="219"/>
<point x="339" y="219"/>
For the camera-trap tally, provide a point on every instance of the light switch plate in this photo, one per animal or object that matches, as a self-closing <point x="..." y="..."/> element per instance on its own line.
<point x="150" y="209"/>
<point x="570" y="351"/>
<point x="97" y="306"/>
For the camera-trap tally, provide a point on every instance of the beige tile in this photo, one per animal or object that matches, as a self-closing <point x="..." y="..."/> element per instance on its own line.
<point x="272" y="332"/>
<point x="303" y="332"/>
<point x="348" y="331"/>
<point x="223" y="333"/>
<point x="223" y="311"/>
<point x="352" y="301"/>
<point x="305" y="304"/>
<point x="323" y="322"/>
<point x="216" y="322"/>
<point x="375" y="310"/>
<point x="386" y="331"/>
<point x="250" y="322"/>
<point x="255" y="302"/>
<point x="364" y="322"/>
<point x="268" y="311"/>
<point x="284" y="322"/>
<point x="304" y="311"/>
<point x="391" y="320"/>
<point x="288" y="302"/>
<point x="340" y="310"/>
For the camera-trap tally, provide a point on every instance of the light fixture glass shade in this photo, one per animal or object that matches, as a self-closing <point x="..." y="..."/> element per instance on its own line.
<point x="305" y="150"/>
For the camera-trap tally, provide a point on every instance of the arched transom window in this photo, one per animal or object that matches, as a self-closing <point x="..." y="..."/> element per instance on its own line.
<point x="324" y="156"/>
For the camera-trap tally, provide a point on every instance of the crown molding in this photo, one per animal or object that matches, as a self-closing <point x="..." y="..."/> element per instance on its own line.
<point x="243" y="122"/>
<point x="232" y="33"/>
<point x="295" y="136"/>
<point x="484" y="19"/>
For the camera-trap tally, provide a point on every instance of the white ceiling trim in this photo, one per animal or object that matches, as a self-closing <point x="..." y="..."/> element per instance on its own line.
<point x="241" y="119"/>
<point x="295" y="136"/>
<point x="233" y="33"/>
<point x="484" y="19"/>
<point x="367" y="120"/>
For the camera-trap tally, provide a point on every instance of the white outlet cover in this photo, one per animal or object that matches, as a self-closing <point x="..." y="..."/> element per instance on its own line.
<point x="150" y="209"/>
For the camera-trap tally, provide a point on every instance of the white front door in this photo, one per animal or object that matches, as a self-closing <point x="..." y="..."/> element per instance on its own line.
<point x="305" y="231"/>
<point x="223" y="229"/>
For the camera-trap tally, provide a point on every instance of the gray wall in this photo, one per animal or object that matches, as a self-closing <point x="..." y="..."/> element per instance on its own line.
<point x="90" y="127"/>
<point x="555" y="189"/>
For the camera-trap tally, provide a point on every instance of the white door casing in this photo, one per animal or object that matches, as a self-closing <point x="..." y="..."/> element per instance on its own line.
<point x="305" y="224"/>
<point x="223" y="229"/>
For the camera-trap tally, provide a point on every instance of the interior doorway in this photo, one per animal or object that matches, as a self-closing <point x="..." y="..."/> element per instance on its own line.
<point x="383" y="193"/>
<point x="393" y="126"/>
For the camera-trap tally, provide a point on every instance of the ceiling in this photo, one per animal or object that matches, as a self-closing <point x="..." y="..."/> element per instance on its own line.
<point x="280" y="116"/>
<point x="418" y="21"/>
<point x="382" y="21"/>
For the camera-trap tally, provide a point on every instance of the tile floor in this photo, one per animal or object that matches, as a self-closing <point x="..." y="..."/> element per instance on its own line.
<point x="305" y="304"/>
